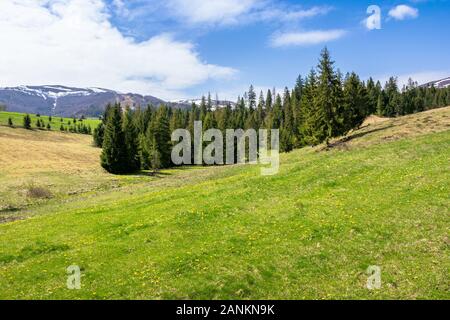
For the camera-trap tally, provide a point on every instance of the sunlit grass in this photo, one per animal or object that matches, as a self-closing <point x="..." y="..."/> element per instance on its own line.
<point x="309" y="232"/>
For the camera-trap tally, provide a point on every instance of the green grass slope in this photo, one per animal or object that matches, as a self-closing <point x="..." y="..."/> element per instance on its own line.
<point x="55" y="124"/>
<point x="310" y="232"/>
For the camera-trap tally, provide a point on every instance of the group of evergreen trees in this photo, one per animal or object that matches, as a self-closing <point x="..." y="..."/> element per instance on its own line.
<point x="134" y="140"/>
<point x="40" y="124"/>
<point x="79" y="127"/>
<point x="321" y="106"/>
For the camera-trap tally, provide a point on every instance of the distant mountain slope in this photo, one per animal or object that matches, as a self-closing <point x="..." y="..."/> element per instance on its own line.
<point x="67" y="101"/>
<point x="216" y="104"/>
<point x="443" y="83"/>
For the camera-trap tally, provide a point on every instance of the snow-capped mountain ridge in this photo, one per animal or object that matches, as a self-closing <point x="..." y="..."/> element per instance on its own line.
<point x="442" y="83"/>
<point x="68" y="101"/>
<point x="55" y="91"/>
<point x="215" y="103"/>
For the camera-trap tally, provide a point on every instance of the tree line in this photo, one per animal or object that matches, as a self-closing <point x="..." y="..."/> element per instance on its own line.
<point x="77" y="126"/>
<point x="323" y="105"/>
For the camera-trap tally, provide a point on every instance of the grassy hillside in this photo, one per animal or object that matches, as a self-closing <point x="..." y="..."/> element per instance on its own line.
<point x="55" y="124"/>
<point x="60" y="164"/>
<point x="378" y="197"/>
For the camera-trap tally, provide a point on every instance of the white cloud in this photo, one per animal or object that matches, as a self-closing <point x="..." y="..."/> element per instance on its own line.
<point x="285" y="14"/>
<point x="72" y="42"/>
<point x="232" y="12"/>
<point x="402" y="12"/>
<point x="217" y="11"/>
<point x="306" y="38"/>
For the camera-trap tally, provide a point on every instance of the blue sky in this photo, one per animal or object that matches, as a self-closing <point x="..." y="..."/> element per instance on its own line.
<point x="182" y="49"/>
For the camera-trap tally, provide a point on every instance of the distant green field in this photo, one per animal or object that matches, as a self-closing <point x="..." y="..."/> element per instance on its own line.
<point x="55" y="124"/>
<point x="380" y="198"/>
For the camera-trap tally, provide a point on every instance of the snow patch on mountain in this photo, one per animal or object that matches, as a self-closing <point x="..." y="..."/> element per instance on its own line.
<point x="62" y="100"/>
<point x="215" y="103"/>
<point x="443" y="83"/>
<point x="56" y="91"/>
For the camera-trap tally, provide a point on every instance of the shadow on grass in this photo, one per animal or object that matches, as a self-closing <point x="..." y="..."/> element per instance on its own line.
<point x="344" y="140"/>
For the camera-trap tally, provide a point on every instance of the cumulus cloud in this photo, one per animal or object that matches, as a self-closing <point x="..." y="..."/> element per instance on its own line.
<point x="402" y="12"/>
<point x="72" y="42"/>
<point x="306" y="38"/>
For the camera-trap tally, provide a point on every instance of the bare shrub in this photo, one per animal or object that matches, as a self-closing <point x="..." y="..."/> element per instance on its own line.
<point x="37" y="192"/>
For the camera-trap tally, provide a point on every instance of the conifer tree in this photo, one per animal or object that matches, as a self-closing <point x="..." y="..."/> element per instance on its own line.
<point x="299" y="88"/>
<point x="260" y="113"/>
<point x="164" y="137"/>
<point x="114" y="154"/>
<point x="158" y="137"/>
<point x="148" y="115"/>
<point x="98" y="134"/>
<point x="203" y="109"/>
<point x="131" y="141"/>
<point x="308" y="107"/>
<point x="329" y="116"/>
<point x="276" y="116"/>
<point x="210" y="122"/>
<point x="176" y="121"/>
<point x="240" y="114"/>
<point x="223" y="121"/>
<point x="372" y="96"/>
<point x="155" y="156"/>
<point x="251" y="99"/>
<point x="380" y="105"/>
<point x="269" y="101"/>
<point x="391" y="91"/>
<point x="287" y="125"/>
<point x="355" y="102"/>
<point x="295" y="109"/>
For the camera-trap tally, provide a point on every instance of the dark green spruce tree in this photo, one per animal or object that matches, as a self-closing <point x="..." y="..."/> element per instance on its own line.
<point x="308" y="107"/>
<point x="131" y="141"/>
<point x="329" y="115"/>
<point x="158" y="137"/>
<point x="355" y="102"/>
<point x="114" y="157"/>
<point x="27" y="122"/>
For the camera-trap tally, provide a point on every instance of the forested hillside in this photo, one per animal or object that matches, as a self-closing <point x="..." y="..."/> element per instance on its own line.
<point x="323" y="105"/>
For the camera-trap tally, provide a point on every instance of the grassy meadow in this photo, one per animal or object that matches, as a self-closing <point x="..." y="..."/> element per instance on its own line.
<point x="377" y="197"/>
<point x="55" y="124"/>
